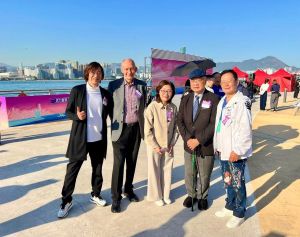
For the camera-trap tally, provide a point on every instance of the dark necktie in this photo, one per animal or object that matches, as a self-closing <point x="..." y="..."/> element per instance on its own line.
<point x="195" y="107"/>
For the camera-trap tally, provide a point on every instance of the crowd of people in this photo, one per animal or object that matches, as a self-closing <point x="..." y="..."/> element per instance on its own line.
<point x="208" y="112"/>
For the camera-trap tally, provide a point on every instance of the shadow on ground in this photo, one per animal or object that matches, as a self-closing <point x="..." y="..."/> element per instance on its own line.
<point x="30" y="165"/>
<point x="284" y="164"/>
<point x="33" y="137"/>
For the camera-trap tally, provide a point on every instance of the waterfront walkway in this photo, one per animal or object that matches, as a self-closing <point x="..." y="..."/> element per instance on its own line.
<point x="32" y="169"/>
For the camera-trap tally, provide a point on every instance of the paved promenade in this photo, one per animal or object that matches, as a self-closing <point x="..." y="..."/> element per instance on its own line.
<point x="32" y="169"/>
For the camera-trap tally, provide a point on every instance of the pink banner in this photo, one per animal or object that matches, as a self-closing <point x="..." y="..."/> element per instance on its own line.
<point x="3" y="114"/>
<point x="30" y="109"/>
<point x="165" y="61"/>
<point x="162" y="69"/>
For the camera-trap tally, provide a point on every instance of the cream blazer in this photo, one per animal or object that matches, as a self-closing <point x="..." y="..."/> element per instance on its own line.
<point x="160" y="125"/>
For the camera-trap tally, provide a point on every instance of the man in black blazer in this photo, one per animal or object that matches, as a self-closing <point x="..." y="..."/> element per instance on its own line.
<point x="127" y="128"/>
<point x="196" y="123"/>
<point x="88" y="107"/>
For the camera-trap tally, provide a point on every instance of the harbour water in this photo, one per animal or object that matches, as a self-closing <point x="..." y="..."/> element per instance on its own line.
<point x="43" y="85"/>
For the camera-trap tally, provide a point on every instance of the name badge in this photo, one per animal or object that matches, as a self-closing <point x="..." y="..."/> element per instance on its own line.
<point x="206" y="104"/>
<point x="226" y="121"/>
<point x="138" y="94"/>
<point x="169" y="114"/>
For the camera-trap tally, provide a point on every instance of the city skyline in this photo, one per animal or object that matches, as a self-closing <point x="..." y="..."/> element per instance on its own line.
<point x="40" y="32"/>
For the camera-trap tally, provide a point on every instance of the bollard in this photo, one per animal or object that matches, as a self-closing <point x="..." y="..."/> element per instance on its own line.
<point x="284" y="95"/>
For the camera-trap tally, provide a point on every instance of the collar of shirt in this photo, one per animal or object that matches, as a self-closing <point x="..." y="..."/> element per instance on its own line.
<point x="199" y="96"/>
<point x="129" y="84"/>
<point x="162" y="106"/>
<point x="89" y="88"/>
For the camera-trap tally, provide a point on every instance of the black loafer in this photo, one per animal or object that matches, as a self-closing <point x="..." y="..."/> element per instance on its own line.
<point x="188" y="202"/>
<point x="116" y="207"/>
<point x="132" y="197"/>
<point x="202" y="204"/>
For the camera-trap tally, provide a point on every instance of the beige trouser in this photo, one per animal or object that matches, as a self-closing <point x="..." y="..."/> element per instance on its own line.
<point x="159" y="175"/>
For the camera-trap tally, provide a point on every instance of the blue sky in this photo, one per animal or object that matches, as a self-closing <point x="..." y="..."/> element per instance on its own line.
<point x="35" y="31"/>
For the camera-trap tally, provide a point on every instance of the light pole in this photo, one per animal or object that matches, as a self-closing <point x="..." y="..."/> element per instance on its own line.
<point x="145" y="67"/>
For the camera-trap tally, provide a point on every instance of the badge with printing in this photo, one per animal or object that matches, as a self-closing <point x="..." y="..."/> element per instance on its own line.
<point x="206" y="104"/>
<point x="169" y="114"/>
<point x="138" y="94"/>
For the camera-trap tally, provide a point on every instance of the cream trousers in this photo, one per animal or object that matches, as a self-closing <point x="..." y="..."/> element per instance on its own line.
<point x="159" y="175"/>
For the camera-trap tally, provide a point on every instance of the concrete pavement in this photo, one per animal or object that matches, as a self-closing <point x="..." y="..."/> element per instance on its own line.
<point x="32" y="169"/>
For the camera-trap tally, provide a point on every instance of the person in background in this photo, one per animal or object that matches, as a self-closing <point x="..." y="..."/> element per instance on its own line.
<point x="217" y="88"/>
<point x="263" y="92"/>
<point x="233" y="146"/>
<point x="51" y="92"/>
<point x="130" y="98"/>
<point x="242" y="87"/>
<point x="275" y="93"/>
<point x="160" y="137"/>
<point x="196" y="122"/>
<point x="22" y="93"/>
<point x="88" y="107"/>
<point x="296" y="89"/>
<point x="209" y="83"/>
<point x="187" y="88"/>
<point x="250" y="88"/>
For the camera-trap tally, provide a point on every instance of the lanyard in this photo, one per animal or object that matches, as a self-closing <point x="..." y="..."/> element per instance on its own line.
<point x="220" y="118"/>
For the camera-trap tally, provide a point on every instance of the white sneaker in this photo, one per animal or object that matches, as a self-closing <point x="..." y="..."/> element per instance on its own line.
<point x="224" y="212"/>
<point x="159" y="203"/>
<point x="234" y="222"/>
<point x="64" y="211"/>
<point x="167" y="201"/>
<point x="99" y="201"/>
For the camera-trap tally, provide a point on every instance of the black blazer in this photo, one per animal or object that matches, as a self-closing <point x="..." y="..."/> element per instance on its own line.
<point x="77" y="147"/>
<point x="203" y="126"/>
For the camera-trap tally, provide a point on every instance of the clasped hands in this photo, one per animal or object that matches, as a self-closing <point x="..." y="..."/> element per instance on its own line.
<point x="160" y="150"/>
<point x="192" y="143"/>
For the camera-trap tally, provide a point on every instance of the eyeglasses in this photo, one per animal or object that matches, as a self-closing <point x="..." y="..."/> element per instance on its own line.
<point x="165" y="92"/>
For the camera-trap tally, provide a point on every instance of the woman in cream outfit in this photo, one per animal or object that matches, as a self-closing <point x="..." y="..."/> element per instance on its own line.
<point x="160" y="137"/>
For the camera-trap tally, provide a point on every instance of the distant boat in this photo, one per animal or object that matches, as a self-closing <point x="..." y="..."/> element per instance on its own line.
<point x="30" y="78"/>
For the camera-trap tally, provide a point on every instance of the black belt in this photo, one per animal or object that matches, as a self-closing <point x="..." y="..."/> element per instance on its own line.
<point x="130" y="124"/>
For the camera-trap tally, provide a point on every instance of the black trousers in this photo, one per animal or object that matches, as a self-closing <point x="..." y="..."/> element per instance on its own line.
<point x="263" y="101"/>
<point x="95" y="150"/>
<point x="125" y="149"/>
<point x="296" y="92"/>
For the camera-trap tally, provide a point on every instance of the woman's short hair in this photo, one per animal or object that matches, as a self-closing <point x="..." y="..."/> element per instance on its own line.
<point x="160" y="85"/>
<point x="233" y="73"/>
<point x="93" y="66"/>
<point x="267" y="80"/>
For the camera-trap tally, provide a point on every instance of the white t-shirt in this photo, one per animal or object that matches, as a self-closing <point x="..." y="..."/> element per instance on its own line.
<point x="263" y="88"/>
<point x="94" y="114"/>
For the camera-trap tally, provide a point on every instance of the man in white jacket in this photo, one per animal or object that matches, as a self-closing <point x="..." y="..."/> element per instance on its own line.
<point x="233" y="145"/>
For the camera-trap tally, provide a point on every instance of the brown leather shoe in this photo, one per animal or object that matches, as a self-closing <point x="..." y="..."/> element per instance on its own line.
<point x="188" y="202"/>
<point x="202" y="204"/>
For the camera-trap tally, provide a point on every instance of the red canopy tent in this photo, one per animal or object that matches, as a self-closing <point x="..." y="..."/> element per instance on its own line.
<point x="284" y="79"/>
<point x="260" y="77"/>
<point x="240" y="73"/>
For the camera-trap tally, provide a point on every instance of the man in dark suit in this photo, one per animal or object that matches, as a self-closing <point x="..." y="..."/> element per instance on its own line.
<point x="127" y="129"/>
<point x="88" y="107"/>
<point x="196" y="123"/>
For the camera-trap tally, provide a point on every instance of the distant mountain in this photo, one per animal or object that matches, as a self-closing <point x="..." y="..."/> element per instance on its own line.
<point x="252" y="64"/>
<point x="9" y="68"/>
